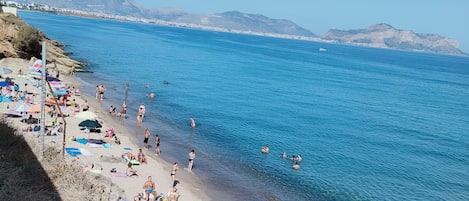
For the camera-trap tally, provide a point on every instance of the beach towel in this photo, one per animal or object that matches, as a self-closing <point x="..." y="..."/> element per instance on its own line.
<point x="96" y="141"/>
<point x="81" y="140"/>
<point x="72" y="151"/>
<point x="118" y="174"/>
<point x="94" y="145"/>
<point x="134" y="162"/>
<point x="107" y="145"/>
<point x="85" y="152"/>
<point x="96" y="171"/>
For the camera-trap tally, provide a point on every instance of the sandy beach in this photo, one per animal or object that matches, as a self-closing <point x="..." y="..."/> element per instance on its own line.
<point x="98" y="160"/>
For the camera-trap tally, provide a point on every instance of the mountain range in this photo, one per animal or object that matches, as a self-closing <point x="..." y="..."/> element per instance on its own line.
<point x="379" y="35"/>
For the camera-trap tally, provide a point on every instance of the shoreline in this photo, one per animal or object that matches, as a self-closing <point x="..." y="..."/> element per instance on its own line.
<point x="156" y="167"/>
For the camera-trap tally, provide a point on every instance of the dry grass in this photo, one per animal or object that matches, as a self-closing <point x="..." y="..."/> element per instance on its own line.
<point x="24" y="177"/>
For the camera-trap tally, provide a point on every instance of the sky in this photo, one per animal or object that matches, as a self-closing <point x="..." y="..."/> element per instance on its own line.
<point x="448" y="18"/>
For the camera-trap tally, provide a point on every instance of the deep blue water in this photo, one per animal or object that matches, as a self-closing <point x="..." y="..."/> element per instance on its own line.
<point x="371" y="124"/>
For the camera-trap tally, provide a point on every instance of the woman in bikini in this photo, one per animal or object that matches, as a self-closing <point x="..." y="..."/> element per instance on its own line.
<point x="173" y="173"/>
<point x="157" y="142"/>
<point x="141" y="157"/>
<point x="191" y="160"/>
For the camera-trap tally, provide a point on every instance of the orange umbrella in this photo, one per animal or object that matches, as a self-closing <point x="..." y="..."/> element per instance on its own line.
<point x="51" y="101"/>
<point x="37" y="108"/>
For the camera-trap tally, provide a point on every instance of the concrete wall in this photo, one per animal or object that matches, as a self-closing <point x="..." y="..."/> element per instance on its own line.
<point x="11" y="10"/>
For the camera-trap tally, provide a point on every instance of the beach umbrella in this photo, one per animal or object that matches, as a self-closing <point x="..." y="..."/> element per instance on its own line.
<point x="5" y="70"/>
<point x="60" y="92"/>
<point x="21" y="107"/>
<point x="52" y="79"/>
<point x="37" y="64"/>
<point x="37" y="108"/>
<point x="4" y="84"/>
<point x="90" y="124"/>
<point x="86" y="115"/>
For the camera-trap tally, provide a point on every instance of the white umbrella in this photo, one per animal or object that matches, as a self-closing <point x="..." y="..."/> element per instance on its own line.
<point x="86" y="115"/>
<point x="5" y="70"/>
<point x="22" y="107"/>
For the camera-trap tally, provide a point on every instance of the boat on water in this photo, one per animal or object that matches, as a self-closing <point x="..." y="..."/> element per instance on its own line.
<point x="322" y="49"/>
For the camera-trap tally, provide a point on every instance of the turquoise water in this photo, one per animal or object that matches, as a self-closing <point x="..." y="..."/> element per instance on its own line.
<point x="371" y="124"/>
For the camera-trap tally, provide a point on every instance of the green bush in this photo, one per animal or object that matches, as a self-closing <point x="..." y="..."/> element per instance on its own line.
<point x="28" y="42"/>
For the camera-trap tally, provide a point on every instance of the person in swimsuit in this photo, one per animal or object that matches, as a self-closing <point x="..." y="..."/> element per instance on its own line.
<point x="191" y="160"/>
<point x="173" y="173"/>
<point x="130" y="171"/>
<point x="192" y="122"/>
<point x="141" y="157"/>
<point x="149" y="187"/>
<point x="124" y="110"/>
<point x="157" y="142"/>
<point x="147" y="136"/>
<point x="296" y="166"/>
<point x="140" y="117"/>
<point x="85" y="106"/>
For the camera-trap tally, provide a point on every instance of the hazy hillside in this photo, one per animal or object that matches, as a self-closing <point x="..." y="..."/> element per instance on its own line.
<point x="379" y="35"/>
<point x="229" y="20"/>
<point x="386" y="36"/>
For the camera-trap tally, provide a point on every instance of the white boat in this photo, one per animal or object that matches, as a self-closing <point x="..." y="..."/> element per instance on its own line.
<point x="322" y="49"/>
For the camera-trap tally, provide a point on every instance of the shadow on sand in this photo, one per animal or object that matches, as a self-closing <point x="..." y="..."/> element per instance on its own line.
<point x="21" y="175"/>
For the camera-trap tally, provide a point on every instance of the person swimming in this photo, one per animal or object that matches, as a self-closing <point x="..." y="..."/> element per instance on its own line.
<point x="192" y="122"/>
<point x="265" y="149"/>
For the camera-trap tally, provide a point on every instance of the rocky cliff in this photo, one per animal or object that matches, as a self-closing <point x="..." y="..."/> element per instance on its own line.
<point x="386" y="36"/>
<point x="19" y="40"/>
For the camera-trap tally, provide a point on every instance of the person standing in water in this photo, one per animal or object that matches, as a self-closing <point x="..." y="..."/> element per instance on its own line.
<point x="192" y="122"/>
<point x="147" y="136"/>
<point x="191" y="160"/>
<point x="157" y="143"/>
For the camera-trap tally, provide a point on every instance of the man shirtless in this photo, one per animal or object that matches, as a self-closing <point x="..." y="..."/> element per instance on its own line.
<point x="147" y="136"/>
<point x="149" y="187"/>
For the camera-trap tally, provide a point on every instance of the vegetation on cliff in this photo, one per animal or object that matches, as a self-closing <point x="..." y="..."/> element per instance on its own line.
<point x="20" y="40"/>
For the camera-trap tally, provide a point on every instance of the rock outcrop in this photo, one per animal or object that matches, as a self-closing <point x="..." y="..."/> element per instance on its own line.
<point x="10" y="27"/>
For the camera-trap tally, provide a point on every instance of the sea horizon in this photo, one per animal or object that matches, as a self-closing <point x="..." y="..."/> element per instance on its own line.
<point x="370" y="123"/>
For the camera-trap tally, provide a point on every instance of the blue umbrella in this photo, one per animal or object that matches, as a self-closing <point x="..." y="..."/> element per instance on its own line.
<point x="4" y="84"/>
<point x="60" y="92"/>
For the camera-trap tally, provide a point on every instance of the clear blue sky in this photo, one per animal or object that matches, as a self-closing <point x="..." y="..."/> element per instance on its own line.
<point x="449" y="18"/>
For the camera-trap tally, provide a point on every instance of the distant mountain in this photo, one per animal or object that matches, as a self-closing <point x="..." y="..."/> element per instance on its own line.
<point x="386" y="36"/>
<point x="379" y="35"/>
<point x="233" y="20"/>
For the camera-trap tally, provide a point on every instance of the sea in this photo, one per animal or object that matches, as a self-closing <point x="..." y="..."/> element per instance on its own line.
<point x="370" y="124"/>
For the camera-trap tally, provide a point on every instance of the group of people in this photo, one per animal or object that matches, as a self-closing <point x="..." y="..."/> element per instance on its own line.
<point x="295" y="158"/>
<point x="100" y="89"/>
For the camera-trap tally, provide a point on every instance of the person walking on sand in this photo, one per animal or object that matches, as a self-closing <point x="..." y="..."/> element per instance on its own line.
<point x="149" y="187"/>
<point x="157" y="143"/>
<point x="147" y="136"/>
<point x="191" y="160"/>
<point x="173" y="173"/>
